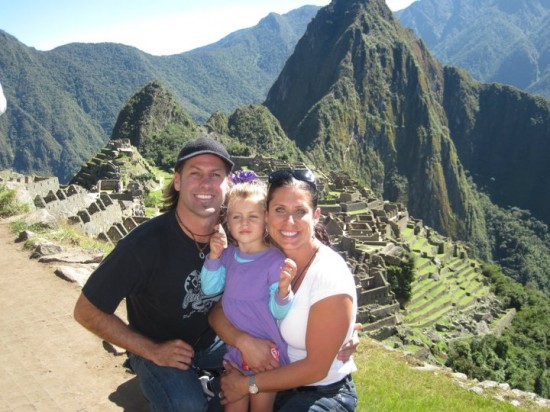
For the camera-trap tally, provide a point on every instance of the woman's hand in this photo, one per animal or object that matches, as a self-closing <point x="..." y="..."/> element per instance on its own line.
<point x="234" y="384"/>
<point x="256" y="353"/>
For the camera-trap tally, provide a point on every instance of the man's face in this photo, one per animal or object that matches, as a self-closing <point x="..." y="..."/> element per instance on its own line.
<point x="202" y="184"/>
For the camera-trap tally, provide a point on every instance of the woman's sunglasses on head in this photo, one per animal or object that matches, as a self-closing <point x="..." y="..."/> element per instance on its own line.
<point x="304" y="175"/>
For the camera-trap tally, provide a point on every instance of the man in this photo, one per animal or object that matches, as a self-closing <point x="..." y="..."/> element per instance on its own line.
<point x="156" y="269"/>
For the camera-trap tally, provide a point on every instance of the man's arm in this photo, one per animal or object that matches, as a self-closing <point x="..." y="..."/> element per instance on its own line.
<point x="109" y="327"/>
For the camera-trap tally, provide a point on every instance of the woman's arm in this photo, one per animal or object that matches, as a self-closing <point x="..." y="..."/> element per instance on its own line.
<point x="328" y="325"/>
<point x="255" y="352"/>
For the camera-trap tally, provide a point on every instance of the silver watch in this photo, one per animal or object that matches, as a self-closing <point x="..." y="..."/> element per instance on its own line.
<point x="252" y="387"/>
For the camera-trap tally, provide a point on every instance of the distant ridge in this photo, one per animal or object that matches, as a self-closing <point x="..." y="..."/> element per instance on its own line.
<point x="497" y="41"/>
<point x="64" y="102"/>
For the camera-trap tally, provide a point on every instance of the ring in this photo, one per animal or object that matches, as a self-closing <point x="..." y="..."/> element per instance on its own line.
<point x="220" y="394"/>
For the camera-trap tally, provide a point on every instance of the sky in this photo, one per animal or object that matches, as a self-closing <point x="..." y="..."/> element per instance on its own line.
<point x="159" y="27"/>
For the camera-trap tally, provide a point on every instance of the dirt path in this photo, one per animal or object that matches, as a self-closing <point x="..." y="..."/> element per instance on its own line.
<point x="47" y="361"/>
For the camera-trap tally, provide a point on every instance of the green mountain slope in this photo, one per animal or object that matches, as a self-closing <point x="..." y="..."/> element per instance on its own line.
<point x="361" y="94"/>
<point x="156" y="124"/>
<point x="502" y="137"/>
<point x="495" y="40"/>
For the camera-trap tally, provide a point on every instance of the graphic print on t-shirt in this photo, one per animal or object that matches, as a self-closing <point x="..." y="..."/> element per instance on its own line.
<point x="194" y="301"/>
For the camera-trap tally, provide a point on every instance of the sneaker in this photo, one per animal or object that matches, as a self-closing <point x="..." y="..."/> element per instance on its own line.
<point x="206" y="382"/>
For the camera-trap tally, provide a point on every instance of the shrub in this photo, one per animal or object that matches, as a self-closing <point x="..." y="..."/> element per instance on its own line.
<point x="9" y="206"/>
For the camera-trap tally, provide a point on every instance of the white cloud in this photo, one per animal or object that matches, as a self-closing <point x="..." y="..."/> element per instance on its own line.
<point x="3" y="103"/>
<point x="398" y="4"/>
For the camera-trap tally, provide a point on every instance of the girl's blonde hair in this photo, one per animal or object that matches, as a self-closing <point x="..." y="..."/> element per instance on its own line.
<point x="252" y="189"/>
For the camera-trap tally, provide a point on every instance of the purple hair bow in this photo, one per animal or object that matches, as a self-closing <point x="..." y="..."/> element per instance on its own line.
<point x="243" y="176"/>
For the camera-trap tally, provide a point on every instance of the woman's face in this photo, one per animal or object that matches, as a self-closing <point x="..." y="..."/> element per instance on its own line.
<point x="291" y="218"/>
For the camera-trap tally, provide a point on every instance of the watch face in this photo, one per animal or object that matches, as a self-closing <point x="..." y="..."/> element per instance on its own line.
<point x="252" y="388"/>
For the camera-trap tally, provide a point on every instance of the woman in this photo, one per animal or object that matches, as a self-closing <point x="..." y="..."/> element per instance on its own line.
<point x="322" y="316"/>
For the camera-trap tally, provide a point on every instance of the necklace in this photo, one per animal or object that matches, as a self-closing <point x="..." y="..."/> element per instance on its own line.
<point x="200" y="248"/>
<point x="304" y="270"/>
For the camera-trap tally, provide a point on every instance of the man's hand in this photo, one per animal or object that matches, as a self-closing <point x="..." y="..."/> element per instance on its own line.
<point x="350" y="347"/>
<point x="174" y="353"/>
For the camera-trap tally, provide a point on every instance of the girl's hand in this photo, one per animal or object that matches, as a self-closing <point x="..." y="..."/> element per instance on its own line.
<point x="218" y="242"/>
<point x="287" y="273"/>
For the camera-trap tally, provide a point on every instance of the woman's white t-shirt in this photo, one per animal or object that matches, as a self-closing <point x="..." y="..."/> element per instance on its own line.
<point x="328" y="275"/>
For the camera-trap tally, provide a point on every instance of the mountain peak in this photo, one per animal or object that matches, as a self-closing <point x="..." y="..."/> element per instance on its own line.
<point x="155" y="124"/>
<point x="362" y="94"/>
<point x="147" y="113"/>
<point x="325" y="48"/>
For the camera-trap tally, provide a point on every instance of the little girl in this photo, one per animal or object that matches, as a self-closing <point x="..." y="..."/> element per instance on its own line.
<point x="256" y="278"/>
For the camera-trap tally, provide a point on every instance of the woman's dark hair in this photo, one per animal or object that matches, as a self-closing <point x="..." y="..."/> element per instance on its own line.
<point x="322" y="234"/>
<point x="290" y="180"/>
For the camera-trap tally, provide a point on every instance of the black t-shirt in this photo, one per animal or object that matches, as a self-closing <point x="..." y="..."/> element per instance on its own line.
<point x="156" y="268"/>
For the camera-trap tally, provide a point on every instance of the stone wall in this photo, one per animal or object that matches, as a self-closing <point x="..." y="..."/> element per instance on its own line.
<point x="64" y="202"/>
<point x="96" y="214"/>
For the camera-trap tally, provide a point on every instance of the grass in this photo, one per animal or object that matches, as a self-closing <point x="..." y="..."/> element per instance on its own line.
<point x="386" y="382"/>
<point x="64" y="234"/>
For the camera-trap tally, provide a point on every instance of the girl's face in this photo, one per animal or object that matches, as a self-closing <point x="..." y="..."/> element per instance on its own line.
<point x="291" y="218"/>
<point x="246" y="223"/>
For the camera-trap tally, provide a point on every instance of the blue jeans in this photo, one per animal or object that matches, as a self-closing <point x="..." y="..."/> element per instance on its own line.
<point x="170" y="389"/>
<point x="336" y="397"/>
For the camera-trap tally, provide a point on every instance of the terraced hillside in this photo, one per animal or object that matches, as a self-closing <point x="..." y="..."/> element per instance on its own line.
<point x="450" y="297"/>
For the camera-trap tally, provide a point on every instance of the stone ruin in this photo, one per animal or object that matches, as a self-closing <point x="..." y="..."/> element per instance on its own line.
<point x="103" y="215"/>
